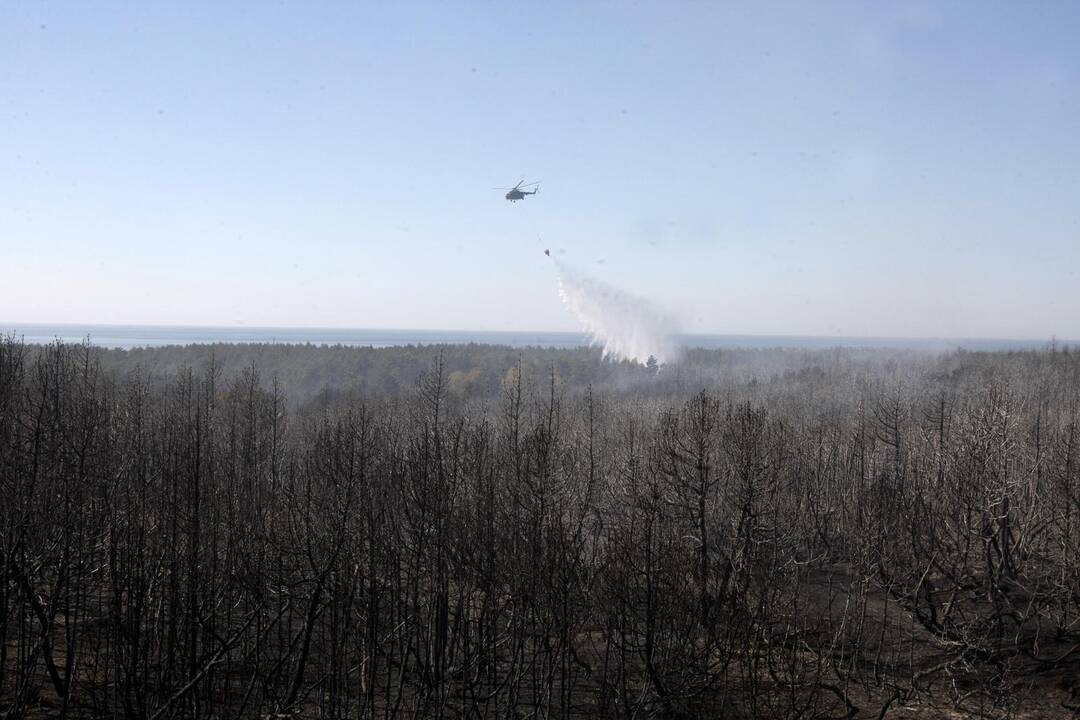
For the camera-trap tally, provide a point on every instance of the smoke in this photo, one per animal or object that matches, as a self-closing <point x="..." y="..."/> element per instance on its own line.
<point x="626" y="326"/>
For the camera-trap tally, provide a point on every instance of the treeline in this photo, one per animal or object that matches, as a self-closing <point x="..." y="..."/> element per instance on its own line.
<point x="837" y="534"/>
<point x="477" y="371"/>
<point x="304" y="371"/>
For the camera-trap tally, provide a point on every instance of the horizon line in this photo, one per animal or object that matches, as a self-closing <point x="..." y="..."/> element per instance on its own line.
<point x="5" y="325"/>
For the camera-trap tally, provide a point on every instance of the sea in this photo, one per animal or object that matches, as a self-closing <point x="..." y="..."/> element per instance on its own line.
<point x="139" y="336"/>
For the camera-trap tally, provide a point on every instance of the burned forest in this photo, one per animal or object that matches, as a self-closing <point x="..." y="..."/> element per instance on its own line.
<point x="477" y="532"/>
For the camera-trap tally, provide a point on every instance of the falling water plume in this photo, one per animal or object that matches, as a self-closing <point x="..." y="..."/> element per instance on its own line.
<point x="625" y="326"/>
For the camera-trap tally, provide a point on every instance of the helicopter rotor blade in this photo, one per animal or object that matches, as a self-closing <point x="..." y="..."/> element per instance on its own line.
<point x="521" y="184"/>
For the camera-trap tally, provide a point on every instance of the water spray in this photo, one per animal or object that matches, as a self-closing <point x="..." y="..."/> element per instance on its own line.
<point x="625" y="326"/>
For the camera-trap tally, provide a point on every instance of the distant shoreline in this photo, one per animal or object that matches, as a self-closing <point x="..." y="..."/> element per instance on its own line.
<point x="137" y="336"/>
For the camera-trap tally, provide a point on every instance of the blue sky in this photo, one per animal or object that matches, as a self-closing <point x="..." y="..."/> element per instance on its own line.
<point x="803" y="168"/>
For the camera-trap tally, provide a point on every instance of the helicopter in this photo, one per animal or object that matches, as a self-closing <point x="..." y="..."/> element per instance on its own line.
<point x="518" y="192"/>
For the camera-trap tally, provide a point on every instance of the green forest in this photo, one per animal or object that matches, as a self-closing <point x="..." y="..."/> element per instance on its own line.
<point x="233" y="531"/>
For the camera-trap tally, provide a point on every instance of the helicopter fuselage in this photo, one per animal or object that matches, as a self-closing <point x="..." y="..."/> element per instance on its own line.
<point x="515" y="195"/>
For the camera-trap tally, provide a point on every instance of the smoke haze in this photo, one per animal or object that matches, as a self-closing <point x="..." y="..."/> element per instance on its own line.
<point x="626" y="326"/>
